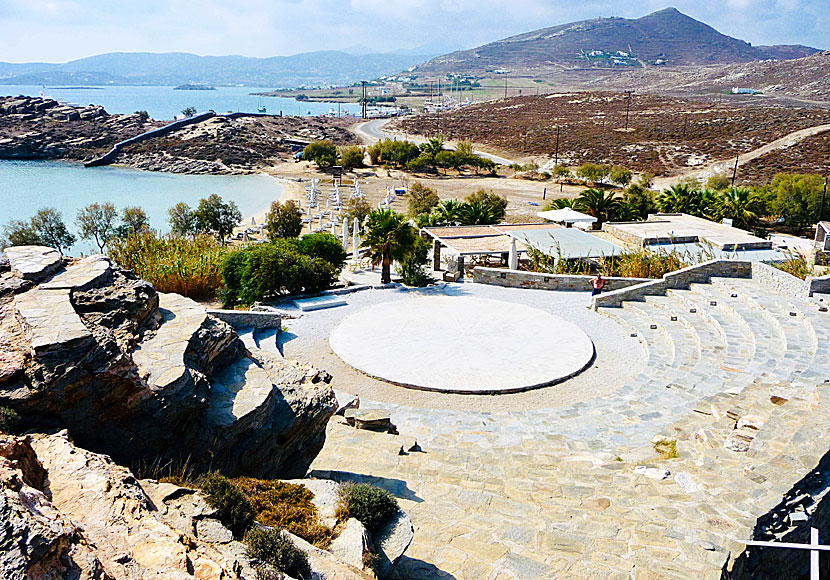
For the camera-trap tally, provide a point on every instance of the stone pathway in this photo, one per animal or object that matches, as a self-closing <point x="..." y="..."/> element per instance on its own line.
<point x="580" y="490"/>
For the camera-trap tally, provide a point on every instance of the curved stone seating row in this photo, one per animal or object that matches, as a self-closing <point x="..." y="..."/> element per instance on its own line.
<point x="161" y="359"/>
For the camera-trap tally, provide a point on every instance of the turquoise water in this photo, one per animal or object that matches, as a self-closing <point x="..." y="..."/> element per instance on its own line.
<point x="165" y="103"/>
<point x="26" y="186"/>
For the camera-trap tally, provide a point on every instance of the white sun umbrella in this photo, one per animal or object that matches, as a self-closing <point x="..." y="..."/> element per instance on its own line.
<point x="333" y="228"/>
<point x="566" y="215"/>
<point x="355" y="238"/>
<point x="253" y="222"/>
<point x="513" y="256"/>
<point x="345" y="233"/>
<point x="321" y="221"/>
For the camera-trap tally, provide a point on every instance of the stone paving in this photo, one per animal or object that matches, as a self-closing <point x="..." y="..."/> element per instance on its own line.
<point x="659" y="478"/>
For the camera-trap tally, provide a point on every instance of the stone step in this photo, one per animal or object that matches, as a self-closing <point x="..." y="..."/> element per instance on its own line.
<point x="266" y="339"/>
<point x="246" y="335"/>
<point x="161" y="358"/>
<point x="661" y="349"/>
<point x="238" y="392"/>
<point x="687" y="341"/>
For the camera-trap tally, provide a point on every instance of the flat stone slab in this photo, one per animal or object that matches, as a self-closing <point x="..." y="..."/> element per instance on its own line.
<point x="161" y="358"/>
<point x="49" y="319"/>
<point x="462" y="345"/>
<point x="238" y="390"/>
<point x="33" y="262"/>
<point x="81" y="275"/>
<point x="319" y="303"/>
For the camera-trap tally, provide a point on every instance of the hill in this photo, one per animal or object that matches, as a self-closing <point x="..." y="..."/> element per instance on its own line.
<point x="666" y="37"/>
<point x="175" y="68"/>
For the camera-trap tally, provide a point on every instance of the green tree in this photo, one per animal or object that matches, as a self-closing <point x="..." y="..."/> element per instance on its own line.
<point x="445" y="160"/>
<point x="561" y="172"/>
<point x="97" y="222"/>
<point x="464" y="147"/>
<point x="593" y="172"/>
<point x="718" y="182"/>
<point x="494" y="201"/>
<point x="598" y="203"/>
<point x="323" y="153"/>
<point x="559" y="203"/>
<point x="739" y="204"/>
<point x="796" y="198"/>
<point x="433" y="146"/>
<point x="216" y="217"/>
<point x="446" y="213"/>
<point x="356" y="207"/>
<point x="284" y="220"/>
<point x="620" y="175"/>
<point x="189" y="111"/>
<point x="411" y="267"/>
<point x="325" y="246"/>
<point x="421" y="199"/>
<point x="134" y="220"/>
<point x="351" y="158"/>
<point x="51" y="230"/>
<point x="679" y="198"/>
<point x="182" y="220"/>
<point x="639" y="201"/>
<point x="389" y="237"/>
<point x="143" y="116"/>
<point x="477" y="213"/>
<point x="20" y="233"/>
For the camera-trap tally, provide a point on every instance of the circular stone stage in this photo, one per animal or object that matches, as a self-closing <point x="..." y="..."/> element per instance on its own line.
<point x="462" y="345"/>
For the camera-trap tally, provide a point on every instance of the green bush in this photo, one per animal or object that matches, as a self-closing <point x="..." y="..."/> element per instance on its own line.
<point x="494" y="201"/>
<point x="351" y="158"/>
<point x="389" y="151"/>
<point x="323" y="153"/>
<point x="232" y="507"/>
<point x="411" y="268"/>
<point x="421" y="199"/>
<point x="421" y="164"/>
<point x="271" y="548"/>
<point x="324" y="246"/>
<point x="369" y="504"/>
<point x="9" y="420"/>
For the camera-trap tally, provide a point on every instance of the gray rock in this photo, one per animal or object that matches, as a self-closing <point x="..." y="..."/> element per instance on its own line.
<point x="352" y="543"/>
<point x="33" y="262"/>
<point x="325" y="498"/>
<point x="391" y="541"/>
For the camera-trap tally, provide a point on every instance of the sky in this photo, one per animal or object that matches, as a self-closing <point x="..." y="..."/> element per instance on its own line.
<point x="62" y="30"/>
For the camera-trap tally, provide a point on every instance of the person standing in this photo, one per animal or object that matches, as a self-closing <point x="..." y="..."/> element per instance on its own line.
<point x="597" y="284"/>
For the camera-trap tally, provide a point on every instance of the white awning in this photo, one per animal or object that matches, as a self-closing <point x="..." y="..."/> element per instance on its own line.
<point x="566" y="215"/>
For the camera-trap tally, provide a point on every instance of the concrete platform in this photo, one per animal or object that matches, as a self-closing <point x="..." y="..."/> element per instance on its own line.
<point x="462" y="345"/>
<point x="309" y="304"/>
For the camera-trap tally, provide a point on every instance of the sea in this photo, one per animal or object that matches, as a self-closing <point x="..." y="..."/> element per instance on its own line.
<point x="27" y="186"/>
<point x="164" y="103"/>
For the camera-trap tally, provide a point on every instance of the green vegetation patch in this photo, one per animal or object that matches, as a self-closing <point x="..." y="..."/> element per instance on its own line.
<point x="369" y="504"/>
<point x="275" y="551"/>
<point x="232" y="507"/>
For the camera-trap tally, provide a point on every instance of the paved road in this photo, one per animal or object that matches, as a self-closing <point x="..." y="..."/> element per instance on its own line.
<point x="372" y="131"/>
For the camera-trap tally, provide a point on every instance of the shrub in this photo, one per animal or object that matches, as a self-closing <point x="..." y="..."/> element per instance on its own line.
<point x="9" y="420"/>
<point x="494" y="201"/>
<point x="593" y="172"/>
<point x="325" y="246"/>
<point x="278" y="504"/>
<point x="796" y="265"/>
<point x="272" y="548"/>
<point x="390" y="151"/>
<point x="411" y="268"/>
<point x="190" y="267"/>
<point x="421" y="164"/>
<point x="421" y="199"/>
<point x="232" y="507"/>
<point x="323" y="153"/>
<point x="284" y="220"/>
<point x="369" y="504"/>
<point x="351" y="158"/>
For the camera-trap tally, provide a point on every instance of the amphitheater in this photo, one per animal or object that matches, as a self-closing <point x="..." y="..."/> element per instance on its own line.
<point x="701" y="422"/>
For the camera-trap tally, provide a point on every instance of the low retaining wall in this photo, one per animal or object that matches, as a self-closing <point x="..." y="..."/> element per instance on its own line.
<point x="542" y="281"/>
<point x="679" y="279"/>
<point x="787" y="284"/>
<point x="240" y="318"/>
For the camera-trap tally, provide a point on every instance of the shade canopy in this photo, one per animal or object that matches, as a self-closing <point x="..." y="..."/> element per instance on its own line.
<point x="566" y="215"/>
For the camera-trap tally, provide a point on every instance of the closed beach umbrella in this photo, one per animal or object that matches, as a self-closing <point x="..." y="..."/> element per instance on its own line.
<point x="253" y="222"/>
<point x="355" y="238"/>
<point x="321" y="221"/>
<point x="513" y="257"/>
<point x="346" y="234"/>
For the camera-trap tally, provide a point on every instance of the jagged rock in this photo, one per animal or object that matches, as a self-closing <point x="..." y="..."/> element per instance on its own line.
<point x="352" y="543"/>
<point x="325" y="565"/>
<point x="129" y="372"/>
<point x="391" y="541"/>
<point x="33" y="262"/>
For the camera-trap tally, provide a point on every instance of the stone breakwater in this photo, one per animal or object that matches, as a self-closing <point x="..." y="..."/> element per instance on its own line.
<point x="143" y="376"/>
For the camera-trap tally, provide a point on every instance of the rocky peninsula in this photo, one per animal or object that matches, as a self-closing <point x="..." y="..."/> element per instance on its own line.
<point x="35" y="128"/>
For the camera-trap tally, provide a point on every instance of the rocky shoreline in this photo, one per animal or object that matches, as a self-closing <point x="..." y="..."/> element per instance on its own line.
<point x="35" y="128"/>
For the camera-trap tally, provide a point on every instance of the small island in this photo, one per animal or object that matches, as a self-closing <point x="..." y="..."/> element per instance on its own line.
<point x="193" y="87"/>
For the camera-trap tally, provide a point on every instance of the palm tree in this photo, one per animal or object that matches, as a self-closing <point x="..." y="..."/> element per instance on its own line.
<point x="680" y="198"/>
<point x="598" y="203"/>
<point x="475" y="213"/>
<point x="739" y="204"/>
<point x="389" y="238"/>
<point x="433" y="145"/>
<point x="446" y="213"/>
<point x="560" y="203"/>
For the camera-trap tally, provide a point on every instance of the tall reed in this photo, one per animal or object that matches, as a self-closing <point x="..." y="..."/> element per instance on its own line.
<point x="187" y="266"/>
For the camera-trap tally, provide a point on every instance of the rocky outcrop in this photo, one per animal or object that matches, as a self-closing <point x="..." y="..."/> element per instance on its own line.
<point x="148" y="377"/>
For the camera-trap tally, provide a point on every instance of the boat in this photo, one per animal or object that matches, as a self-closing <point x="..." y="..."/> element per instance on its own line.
<point x="261" y="109"/>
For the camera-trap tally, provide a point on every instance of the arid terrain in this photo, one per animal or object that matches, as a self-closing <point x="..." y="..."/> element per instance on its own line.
<point x="665" y="136"/>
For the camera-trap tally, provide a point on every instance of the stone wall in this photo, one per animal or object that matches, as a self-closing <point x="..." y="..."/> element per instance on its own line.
<point x="240" y="318"/>
<point x="821" y="285"/>
<point x="778" y="280"/>
<point x="542" y="281"/>
<point x="678" y="279"/>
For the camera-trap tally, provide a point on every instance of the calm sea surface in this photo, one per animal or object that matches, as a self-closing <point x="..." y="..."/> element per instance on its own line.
<point x="166" y="103"/>
<point x="26" y="186"/>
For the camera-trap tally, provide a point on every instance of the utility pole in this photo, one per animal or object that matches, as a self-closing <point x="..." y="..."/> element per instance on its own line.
<point x="735" y="170"/>
<point x="685" y="122"/>
<point x="556" y="151"/>
<point x="505" y="88"/>
<point x="363" y="83"/>
<point x="627" y="109"/>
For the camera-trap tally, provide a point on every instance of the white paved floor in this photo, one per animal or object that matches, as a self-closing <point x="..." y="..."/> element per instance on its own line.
<point x="462" y="344"/>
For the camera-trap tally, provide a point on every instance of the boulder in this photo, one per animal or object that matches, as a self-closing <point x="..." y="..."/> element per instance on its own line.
<point x="325" y="499"/>
<point x="391" y="541"/>
<point x="325" y="565"/>
<point x="352" y="543"/>
<point x="144" y="376"/>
